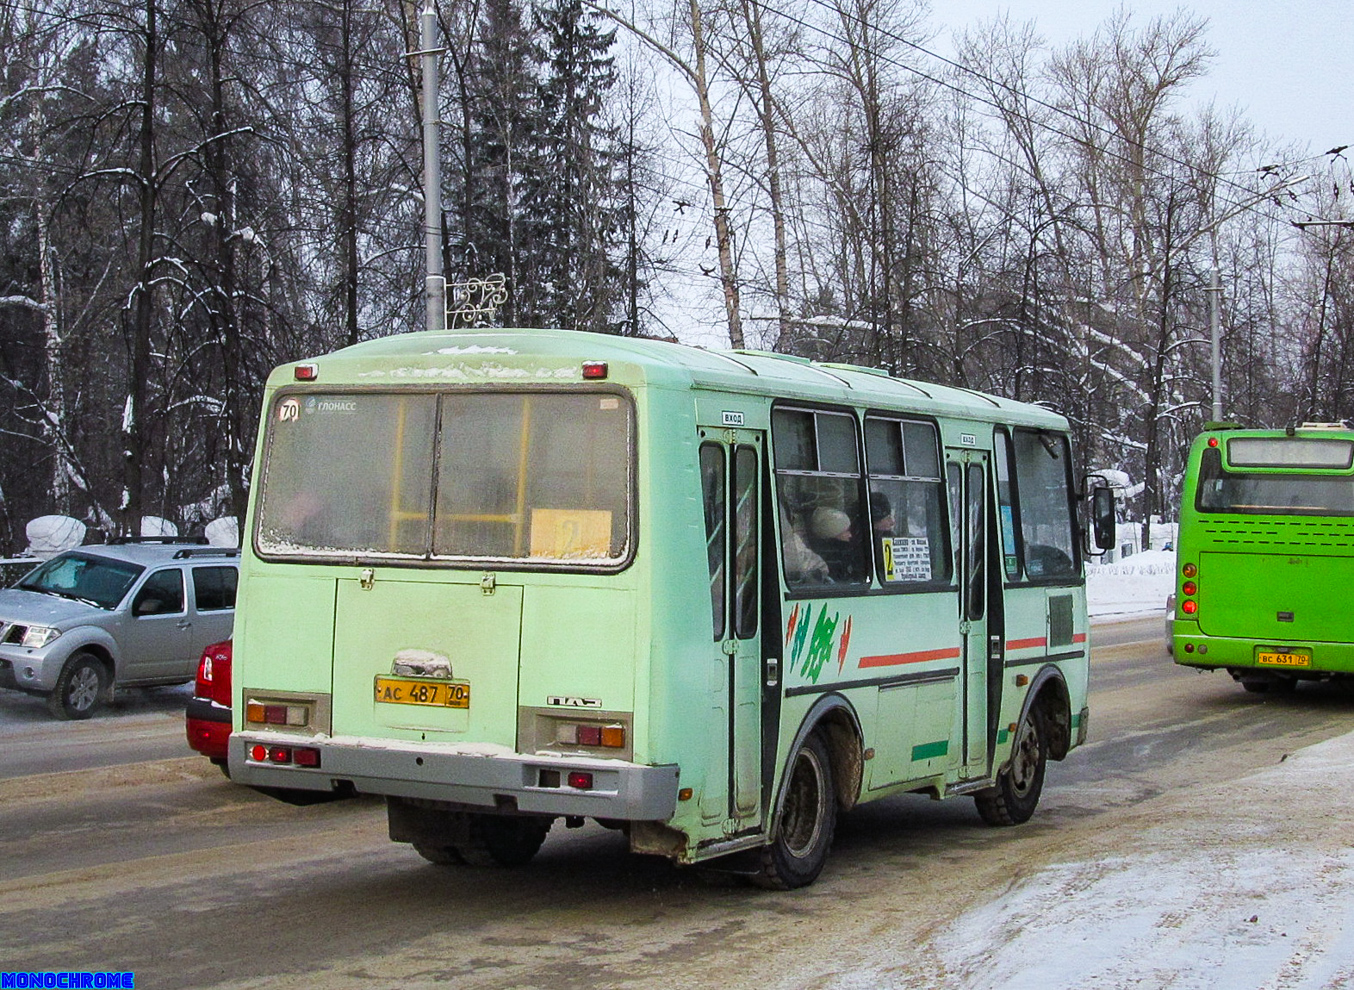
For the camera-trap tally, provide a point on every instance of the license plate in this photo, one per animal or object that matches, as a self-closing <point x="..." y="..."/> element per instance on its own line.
<point x="1283" y="659"/>
<point x="413" y="691"/>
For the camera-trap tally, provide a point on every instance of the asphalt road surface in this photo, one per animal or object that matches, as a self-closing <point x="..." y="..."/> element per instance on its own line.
<point x="155" y="863"/>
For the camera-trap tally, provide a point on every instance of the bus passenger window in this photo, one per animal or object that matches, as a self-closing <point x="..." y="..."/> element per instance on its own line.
<point x="824" y="524"/>
<point x="907" y="502"/>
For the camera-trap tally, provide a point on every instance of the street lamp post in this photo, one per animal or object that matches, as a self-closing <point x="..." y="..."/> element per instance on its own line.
<point x="435" y="286"/>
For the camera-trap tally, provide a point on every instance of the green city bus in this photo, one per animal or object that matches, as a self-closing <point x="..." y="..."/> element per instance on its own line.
<point x="508" y="577"/>
<point x="1265" y="548"/>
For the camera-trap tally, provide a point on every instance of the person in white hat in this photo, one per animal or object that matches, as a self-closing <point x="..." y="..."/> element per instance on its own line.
<point x="833" y="539"/>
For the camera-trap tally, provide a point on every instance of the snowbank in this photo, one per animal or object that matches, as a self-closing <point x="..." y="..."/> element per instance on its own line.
<point x="49" y="535"/>
<point x="156" y="526"/>
<point x="223" y="532"/>
<point x="1231" y="901"/>
<point x="1133" y="586"/>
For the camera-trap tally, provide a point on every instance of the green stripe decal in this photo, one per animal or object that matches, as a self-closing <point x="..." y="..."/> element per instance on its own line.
<point x="1003" y="736"/>
<point x="929" y="750"/>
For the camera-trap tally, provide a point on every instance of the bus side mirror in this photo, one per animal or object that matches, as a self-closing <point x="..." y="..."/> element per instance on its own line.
<point x="1102" y="517"/>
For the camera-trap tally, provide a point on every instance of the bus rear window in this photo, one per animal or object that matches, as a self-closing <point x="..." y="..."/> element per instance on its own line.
<point x="1221" y="490"/>
<point x="504" y="476"/>
<point x="1292" y="452"/>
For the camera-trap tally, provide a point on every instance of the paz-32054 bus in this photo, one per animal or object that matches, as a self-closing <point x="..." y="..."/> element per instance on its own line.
<point x="711" y="598"/>
<point x="1266" y="555"/>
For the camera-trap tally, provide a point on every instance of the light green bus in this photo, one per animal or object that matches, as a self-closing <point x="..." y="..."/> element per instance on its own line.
<point x="1265" y="551"/>
<point x="508" y="577"/>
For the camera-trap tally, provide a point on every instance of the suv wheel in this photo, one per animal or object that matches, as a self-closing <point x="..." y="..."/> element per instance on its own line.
<point x="80" y="689"/>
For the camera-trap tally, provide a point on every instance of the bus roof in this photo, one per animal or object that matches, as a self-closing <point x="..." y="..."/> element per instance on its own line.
<point x="460" y="356"/>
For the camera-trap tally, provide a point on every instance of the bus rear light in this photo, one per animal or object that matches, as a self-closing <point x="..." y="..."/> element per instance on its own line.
<point x="580" y="780"/>
<point x="594" y="370"/>
<point x="1189" y="606"/>
<point x="604" y="736"/>
<point x="299" y="756"/>
<point x="259" y="713"/>
<point x="307" y="372"/>
<point x="1190" y="588"/>
<point x="1189" y="570"/>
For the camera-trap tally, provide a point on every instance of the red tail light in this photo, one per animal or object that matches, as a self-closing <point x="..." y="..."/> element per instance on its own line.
<point x="213" y="673"/>
<point x="580" y="779"/>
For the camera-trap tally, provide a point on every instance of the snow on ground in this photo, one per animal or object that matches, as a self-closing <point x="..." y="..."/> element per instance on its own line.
<point x="1133" y="586"/>
<point x="1248" y="895"/>
<point x="1255" y="893"/>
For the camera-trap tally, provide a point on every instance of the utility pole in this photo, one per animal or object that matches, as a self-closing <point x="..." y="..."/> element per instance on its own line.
<point x="435" y="285"/>
<point x="1215" y="323"/>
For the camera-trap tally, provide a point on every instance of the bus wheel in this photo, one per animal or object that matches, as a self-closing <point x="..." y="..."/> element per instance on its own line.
<point x="441" y="855"/>
<point x="1016" y="795"/>
<point x="808" y="819"/>
<point x="500" y="840"/>
<point x="1268" y="683"/>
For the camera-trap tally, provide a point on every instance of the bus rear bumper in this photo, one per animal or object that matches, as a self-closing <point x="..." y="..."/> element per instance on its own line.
<point x="1219" y="653"/>
<point x="502" y="782"/>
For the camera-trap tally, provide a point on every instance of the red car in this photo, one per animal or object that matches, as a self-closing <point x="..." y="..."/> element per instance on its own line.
<point x="209" y="709"/>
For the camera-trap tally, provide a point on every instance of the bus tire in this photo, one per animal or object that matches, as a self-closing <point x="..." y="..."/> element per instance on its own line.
<point x="503" y="840"/>
<point x="80" y="687"/>
<point x="440" y="855"/>
<point x="1268" y="683"/>
<point x="808" y="819"/>
<point x="1016" y="795"/>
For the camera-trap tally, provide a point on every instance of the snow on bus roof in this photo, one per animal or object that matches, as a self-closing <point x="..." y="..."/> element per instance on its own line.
<point x="463" y="354"/>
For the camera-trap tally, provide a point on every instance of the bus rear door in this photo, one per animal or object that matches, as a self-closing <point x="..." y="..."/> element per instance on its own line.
<point x="401" y="643"/>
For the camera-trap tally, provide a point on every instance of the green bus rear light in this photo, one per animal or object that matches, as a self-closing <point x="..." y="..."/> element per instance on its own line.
<point x="1189" y="588"/>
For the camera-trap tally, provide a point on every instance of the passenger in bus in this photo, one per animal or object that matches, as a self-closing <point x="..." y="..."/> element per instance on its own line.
<point x="833" y="539"/>
<point x="881" y="515"/>
<point x="802" y="565"/>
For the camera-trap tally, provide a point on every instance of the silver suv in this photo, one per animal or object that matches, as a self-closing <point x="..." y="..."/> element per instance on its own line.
<point x="133" y="613"/>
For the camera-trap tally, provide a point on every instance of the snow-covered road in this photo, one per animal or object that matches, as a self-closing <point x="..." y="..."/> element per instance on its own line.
<point x="1245" y="885"/>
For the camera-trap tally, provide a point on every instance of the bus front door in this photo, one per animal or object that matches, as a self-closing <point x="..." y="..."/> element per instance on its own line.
<point x="732" y="494"/>
<point x="966" y="474"/>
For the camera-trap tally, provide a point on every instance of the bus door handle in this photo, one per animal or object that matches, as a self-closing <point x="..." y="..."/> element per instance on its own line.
<point x="772" y="671"/>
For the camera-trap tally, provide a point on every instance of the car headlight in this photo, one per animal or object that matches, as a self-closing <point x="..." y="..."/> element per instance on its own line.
<point x="39" y="636"/>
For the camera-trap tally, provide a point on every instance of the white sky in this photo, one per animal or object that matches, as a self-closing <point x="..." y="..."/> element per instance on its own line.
<point x="1289" y="64"/>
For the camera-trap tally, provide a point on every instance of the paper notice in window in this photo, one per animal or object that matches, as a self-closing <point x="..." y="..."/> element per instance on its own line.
<point x="570" y="534"/>
<point x="906" y="558"/>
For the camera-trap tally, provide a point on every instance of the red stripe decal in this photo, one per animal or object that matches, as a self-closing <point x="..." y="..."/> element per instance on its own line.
<point x="1026" y="644"/>
<point x="894" y="659"/>
<point x="1079" y="638"/>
